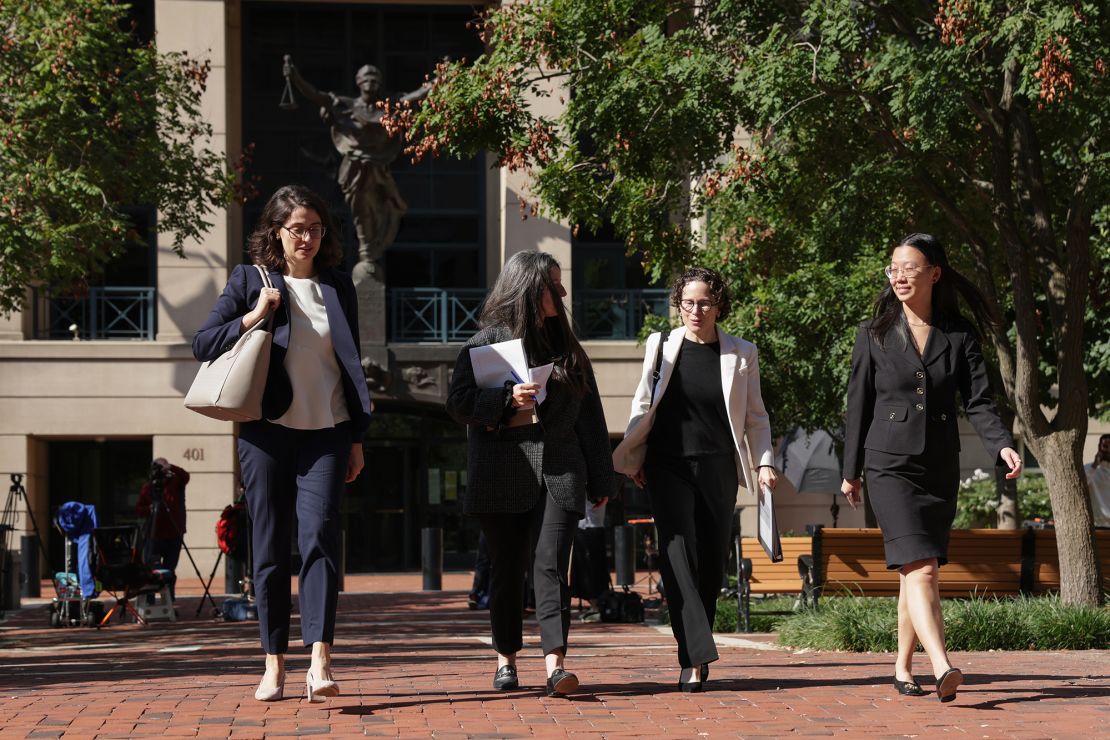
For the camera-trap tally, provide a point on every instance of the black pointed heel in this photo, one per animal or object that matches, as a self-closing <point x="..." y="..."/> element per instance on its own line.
<point x="908" y="688"/>
<point x="947" y="684"/>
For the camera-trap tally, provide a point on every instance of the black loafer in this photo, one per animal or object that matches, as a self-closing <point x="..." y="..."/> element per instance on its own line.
<point x="505" y="679"/>
<point x="561" y="683"/>
<point x="947" y="684"/>
<point x="908" y="688"/>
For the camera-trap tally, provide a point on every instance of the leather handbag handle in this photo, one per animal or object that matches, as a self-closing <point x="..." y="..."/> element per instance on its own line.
<point x="266" y="283"/>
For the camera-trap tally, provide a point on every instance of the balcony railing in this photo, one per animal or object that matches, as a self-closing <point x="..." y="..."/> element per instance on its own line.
<point x="102" y="313"/>
<point x="616" y="314"/>
<point x="434" y="314"/>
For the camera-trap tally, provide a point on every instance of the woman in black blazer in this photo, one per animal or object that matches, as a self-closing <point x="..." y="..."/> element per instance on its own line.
<point x="532" y="469"/>
<point x="907" y="366"/>
<point x="315" y="410"/>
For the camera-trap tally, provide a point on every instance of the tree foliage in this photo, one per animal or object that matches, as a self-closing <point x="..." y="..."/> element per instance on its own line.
<point x="806" y="136"/>
<point x="91" y="120"/>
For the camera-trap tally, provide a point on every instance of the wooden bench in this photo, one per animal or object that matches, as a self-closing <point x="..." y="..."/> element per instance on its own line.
<point x="758" y="575"/>
<point x="984" y="562"/>
<point x="1046" y="567"/>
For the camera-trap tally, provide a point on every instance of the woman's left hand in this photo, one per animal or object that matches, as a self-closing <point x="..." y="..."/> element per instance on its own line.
<point x="1013" y="460"/>
<point x="355" y="462"/>
<point x="768" y="476"/>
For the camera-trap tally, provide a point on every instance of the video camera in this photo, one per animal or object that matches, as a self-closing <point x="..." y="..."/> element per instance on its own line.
<point x="159" y="472"/>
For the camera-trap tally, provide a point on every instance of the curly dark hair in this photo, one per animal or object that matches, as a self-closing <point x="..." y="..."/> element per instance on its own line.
<point x="718" y="288"/>
<point x="264" y="243"/>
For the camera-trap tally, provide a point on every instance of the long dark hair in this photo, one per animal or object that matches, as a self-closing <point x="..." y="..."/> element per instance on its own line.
<point x="264" y="243"/>
<point x="946" y="292"/>
<point x="516" y="302"/>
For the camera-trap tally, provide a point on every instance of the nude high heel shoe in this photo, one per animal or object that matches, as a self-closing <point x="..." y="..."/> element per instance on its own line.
<point x="319" y="689"/>
<point x="274" y="694"/>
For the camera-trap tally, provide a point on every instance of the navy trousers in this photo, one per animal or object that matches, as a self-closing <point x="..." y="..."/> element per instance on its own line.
<point x="286" y="470"/>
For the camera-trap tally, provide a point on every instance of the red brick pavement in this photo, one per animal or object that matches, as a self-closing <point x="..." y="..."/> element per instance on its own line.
<point x="414" y="664"/>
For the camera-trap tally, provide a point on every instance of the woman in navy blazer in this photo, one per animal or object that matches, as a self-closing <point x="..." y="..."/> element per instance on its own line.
<point x="315" y="410"/>
<point x="907" y="366"/>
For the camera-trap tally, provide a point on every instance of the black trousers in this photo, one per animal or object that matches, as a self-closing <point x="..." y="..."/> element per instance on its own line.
<point x="548" y="532"/>
<point x="286" y="470"/>
<point x="693" y="500"/>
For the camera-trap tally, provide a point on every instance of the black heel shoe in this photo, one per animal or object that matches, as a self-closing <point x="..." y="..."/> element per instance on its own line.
<point x="908" y="688"/>
<point x="505" y="679"/>
<point x="694" y="687"/>
<point x="561" y="683"/>
<point x="947" y="684"/>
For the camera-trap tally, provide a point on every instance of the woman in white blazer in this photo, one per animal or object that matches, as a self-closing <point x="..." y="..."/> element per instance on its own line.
<point x="697" y="424"/>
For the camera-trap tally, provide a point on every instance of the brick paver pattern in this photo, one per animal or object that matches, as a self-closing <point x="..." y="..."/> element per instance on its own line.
<point x="419" y="664"/>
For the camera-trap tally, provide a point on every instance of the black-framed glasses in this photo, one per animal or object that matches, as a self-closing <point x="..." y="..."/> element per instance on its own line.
<point x="702" y="306"/>
<point x="312" y="232"/>
<point x="909" y="271"/>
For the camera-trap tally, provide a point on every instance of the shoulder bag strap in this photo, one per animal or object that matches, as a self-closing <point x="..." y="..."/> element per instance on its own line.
<point x="266" y="283"/>
<point x="658" y="365"/>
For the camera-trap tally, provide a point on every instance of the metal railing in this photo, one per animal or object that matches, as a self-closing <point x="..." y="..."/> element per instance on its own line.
<point x="445" y="315"/>
<point x="616" y="314"/>
<point x="102" y="313"/>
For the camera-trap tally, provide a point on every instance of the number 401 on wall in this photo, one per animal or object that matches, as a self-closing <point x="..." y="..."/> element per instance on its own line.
<point x="194" y="453"/>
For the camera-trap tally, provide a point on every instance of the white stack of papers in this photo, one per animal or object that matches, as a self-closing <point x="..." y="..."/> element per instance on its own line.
<point x="496" y="363"/>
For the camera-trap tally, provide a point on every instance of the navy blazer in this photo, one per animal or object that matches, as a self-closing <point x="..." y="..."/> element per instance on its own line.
<point x="898" y="398"/>
<point x="221" y="330"/>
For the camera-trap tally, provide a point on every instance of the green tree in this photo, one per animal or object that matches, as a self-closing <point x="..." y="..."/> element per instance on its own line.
<point x="91" y="119"/>
<point x="982" y="121"/>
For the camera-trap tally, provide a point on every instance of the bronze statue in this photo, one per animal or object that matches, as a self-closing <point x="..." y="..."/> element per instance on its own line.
<point x="367" y="150"/>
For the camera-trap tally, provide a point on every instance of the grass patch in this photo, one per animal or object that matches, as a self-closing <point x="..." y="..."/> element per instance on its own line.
<point x="863" y="624"/>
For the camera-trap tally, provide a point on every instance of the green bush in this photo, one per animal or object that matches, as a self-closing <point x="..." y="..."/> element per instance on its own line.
<point x="978" y="500"/>
<point x="870" y="625"/>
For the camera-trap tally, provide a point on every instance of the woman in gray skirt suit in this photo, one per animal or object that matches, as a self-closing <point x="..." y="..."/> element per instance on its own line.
<point x="532" y="469"/>
<point x="907" y="366"/>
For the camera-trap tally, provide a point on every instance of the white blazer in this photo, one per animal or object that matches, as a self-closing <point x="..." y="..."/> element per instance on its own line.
<point x="751" y="429"/>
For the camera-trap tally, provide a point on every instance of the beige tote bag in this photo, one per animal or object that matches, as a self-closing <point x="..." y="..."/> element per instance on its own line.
<point x="229" y="388"/>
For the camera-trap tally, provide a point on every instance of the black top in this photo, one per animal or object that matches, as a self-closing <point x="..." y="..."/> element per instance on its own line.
<point x="692" y="419"/>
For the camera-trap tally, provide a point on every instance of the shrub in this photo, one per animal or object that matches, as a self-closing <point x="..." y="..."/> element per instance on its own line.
<point x="1023" y="623"/>
<point x="978" y="500"/>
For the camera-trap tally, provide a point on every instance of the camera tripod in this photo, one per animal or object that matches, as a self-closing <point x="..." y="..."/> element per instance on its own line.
<point x="157" y="506"/>
<point x="7" y="523"/>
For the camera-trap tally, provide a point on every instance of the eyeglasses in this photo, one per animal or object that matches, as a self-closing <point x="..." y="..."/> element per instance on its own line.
<point x="312" y="232"/>
<point x="909" y="271"/>
<point x="702" y="306"/>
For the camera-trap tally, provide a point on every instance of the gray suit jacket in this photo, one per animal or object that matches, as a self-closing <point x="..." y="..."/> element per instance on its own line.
<point x="507" y="468"/>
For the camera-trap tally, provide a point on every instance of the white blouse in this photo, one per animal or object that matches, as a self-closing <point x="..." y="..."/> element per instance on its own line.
<point x="318" y="400"/>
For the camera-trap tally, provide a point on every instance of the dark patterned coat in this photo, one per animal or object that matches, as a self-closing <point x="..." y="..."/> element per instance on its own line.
<point x="507" y="467"/>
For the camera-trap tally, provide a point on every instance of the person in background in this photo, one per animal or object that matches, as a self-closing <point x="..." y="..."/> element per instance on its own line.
<point x="698" y="427"/>
<point x="1098" y="481"/>
<point x="166" y="533"/>
<point x="908" y="364"/>
<point x="532" y="469"/>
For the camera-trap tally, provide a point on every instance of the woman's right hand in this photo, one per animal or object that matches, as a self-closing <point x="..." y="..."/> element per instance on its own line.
<point x="850" y="489"/>
<point x="638" y="478"/>
<point x="524" y="395"/>
<point x="269" y="299"/>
